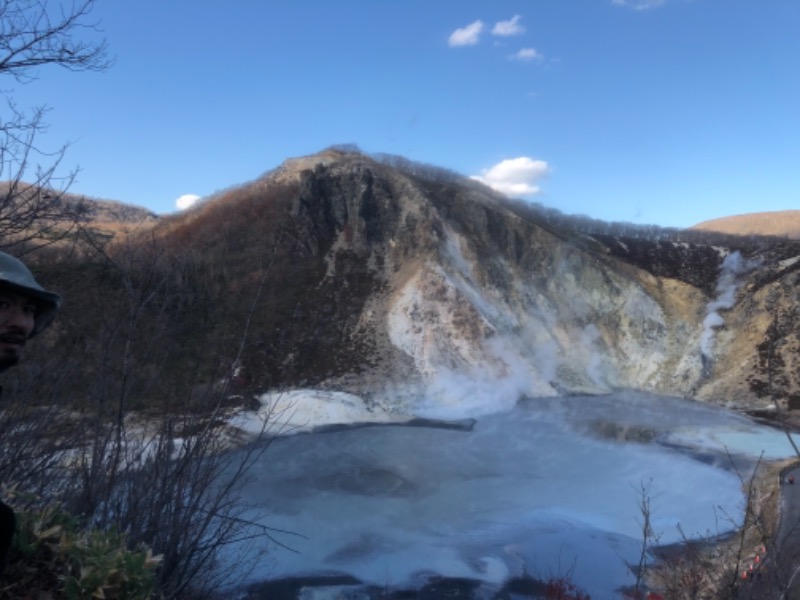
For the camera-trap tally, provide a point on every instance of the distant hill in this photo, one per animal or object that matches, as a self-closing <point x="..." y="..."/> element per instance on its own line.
<point x="97" y="209"/>
<point x="784" y="223"/>
<point x="38" y="214"/>
<point x="110" y="217"/>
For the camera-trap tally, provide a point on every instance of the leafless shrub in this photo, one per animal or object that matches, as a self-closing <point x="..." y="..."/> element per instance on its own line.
<point x="649" y="537"/>
<point x="167" y="478"/>
<point x="719" y="565"/>
<point x="35" y="34"/>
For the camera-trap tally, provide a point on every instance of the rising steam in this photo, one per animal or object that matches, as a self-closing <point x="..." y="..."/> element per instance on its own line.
<point x="729" y="273"/>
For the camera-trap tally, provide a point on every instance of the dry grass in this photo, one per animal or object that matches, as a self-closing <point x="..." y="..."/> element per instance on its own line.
<point x="785" y="223"/>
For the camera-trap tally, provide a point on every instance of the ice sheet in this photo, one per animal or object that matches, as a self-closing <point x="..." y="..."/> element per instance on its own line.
<point x="537" y="488"/>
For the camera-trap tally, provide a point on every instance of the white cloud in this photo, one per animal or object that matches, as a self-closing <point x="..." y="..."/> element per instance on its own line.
<point x="515" y="176"/>
<point x="527" y="54"/>
<point x="466" y="36"/>
<point x="186" y="201"/>
<point x="639" y="4"/>
<point x="510" y="27"/>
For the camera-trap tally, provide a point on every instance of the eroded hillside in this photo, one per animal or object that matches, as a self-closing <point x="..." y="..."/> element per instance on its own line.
<point x="399" y="282"/>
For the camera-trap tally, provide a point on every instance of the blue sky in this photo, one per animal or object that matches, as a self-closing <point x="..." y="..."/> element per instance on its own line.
<point x="647" y="111"/>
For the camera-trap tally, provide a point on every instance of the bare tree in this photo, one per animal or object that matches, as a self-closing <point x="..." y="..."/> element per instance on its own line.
<point x="649" y="537"/>
<point x="35" y="34"/>
<point x="777" y="381"/>
<point x="143" y="449"/>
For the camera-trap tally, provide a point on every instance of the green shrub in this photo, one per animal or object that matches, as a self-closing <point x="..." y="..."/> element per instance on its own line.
<point x="54" y="553"/>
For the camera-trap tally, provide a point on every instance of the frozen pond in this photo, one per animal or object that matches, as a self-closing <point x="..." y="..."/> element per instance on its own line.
<point x="551" y="485"/>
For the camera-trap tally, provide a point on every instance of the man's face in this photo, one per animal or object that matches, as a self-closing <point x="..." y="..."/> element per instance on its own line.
<point x="17" y="314"/>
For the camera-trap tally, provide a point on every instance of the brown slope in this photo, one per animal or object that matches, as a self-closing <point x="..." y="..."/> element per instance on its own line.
<point x="46" y="216"/>
<point x="783" y="223"/>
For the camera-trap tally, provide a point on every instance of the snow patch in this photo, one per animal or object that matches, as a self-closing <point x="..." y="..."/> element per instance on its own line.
<point x="785" y="264"/>
<point x="296" y="411"/>
<point x="729" y="272"/>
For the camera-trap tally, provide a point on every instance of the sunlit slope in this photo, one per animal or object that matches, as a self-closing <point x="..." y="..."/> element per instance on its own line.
<point x="785" y="223"/>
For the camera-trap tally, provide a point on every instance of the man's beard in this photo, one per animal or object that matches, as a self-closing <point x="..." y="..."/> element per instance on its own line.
<point x="11" y="346"/>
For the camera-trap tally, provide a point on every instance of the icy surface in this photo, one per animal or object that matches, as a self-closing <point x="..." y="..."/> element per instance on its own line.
<point x="295" y="411"/>
<point x="549" y="484"/>
<point x="742" y="438"/>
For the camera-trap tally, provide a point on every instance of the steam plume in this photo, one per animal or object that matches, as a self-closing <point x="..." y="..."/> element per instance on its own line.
<point x="731" y="269"/>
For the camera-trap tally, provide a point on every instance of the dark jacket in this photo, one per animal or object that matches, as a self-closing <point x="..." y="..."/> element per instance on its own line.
<point x="8" y="523"/>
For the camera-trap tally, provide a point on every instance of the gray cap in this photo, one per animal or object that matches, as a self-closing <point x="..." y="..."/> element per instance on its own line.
<point x="16" y="276"/>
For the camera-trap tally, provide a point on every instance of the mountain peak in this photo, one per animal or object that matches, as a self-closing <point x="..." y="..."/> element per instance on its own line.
<point x="292" y="168"/>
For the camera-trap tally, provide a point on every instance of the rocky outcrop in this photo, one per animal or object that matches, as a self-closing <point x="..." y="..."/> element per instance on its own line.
<point x="463" y="300"/>
<point x="417" y="291"/>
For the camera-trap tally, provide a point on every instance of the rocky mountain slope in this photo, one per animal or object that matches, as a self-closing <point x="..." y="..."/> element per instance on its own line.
<point x="419" y="290"/>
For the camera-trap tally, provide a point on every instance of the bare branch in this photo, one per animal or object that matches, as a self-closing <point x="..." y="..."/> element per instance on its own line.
<point x="34" y="206"/>
<point x="33" y="34"/>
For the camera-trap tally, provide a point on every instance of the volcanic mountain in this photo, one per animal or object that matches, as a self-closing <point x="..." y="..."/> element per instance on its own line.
<point x="396" y="281"/>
